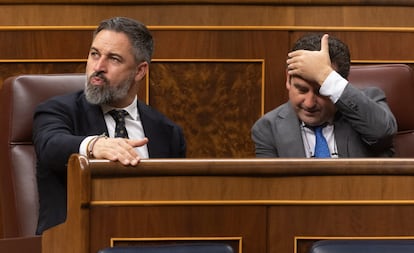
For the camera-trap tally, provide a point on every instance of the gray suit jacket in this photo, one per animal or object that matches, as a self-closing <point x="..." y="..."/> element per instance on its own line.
<point x="364" y="126"/>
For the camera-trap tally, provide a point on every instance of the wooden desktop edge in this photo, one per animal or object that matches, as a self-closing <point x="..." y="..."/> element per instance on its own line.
<point x="254" y="166"/>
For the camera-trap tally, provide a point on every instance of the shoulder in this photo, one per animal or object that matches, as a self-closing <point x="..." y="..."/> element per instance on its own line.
<point x="71" y="105"/>
<point x="282" y="111"/>
<point x="62" y="101"/>
<point x="373" y="91"/>
<point x="65" y="98"/>
<point x="370" y="91"/>
<point x="274" y="117"/>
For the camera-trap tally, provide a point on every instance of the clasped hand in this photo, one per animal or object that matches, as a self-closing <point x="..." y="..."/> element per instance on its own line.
<point x="119" y="149"/>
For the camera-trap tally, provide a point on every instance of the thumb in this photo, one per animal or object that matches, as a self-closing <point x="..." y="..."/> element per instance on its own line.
<point x="137" y="142"/>
<point x="325" y="43"/>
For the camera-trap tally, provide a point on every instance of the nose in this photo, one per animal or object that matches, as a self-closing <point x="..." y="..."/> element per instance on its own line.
<point x="309" y="100"/>
<point x="100" y="65"/>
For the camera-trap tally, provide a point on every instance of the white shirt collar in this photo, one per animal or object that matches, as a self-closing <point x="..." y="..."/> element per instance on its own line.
<point x="132" y="109"/>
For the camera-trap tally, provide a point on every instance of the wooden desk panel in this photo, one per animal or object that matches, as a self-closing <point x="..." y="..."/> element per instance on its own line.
<point x="144" y="224"/>
<point x="265" y="202"/>
<point x="337" y="220"/>
<point x="266" y="189"/>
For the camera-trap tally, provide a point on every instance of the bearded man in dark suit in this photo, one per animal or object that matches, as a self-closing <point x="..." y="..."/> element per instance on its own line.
<point x="81" y="122"/>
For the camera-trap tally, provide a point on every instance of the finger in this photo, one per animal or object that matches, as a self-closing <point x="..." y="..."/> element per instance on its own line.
<point x="295" y="53"/>
<point x="292" y="63"/>
<point x="127" y="153"/>
<point x="137" y="142"/>
<point x="289" y="61"/>
<point x="117" y="149"/>
<point x="118" y="153"/>
<point x="325" y="43"/>
<point x="292" y="72"/>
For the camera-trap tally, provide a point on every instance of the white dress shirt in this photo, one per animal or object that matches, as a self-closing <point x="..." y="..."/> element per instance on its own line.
<point x="332" y="87"/>
<point x="309" y="140"/>
<point x="133" y="125"/>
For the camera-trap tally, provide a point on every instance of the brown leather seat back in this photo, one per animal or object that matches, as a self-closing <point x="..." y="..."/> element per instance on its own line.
<point x="18" y="189"/>
<point x="397" y="81"/>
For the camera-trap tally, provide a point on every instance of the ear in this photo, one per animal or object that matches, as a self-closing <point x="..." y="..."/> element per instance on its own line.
<point x="142" y="70"/>
<point x="288" y="77"/>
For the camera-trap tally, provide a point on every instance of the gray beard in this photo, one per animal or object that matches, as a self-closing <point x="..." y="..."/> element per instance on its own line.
<point x="107" y="94"/>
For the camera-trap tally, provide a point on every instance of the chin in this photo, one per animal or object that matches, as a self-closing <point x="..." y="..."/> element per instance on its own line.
<point x="310" y="121"/>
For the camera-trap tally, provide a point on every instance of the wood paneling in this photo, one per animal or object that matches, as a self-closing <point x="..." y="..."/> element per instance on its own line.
<point x="208" y="99"/>
<point x="266" y="202"/>
<point x="355" y="221"/>
<point x="236" y="2"/>
<point x="206" y="13"/>
<point x="8" y="69"/>
<point x="180" y="223"/>
<point x="45" y="43"/>
<point x="270" y="46"/>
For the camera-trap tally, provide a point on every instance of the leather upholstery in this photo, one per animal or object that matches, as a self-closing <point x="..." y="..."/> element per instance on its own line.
<point x="19" y="97"/>
<point x="397" y="81"/>
<point x="363" y="246"/>
<point x="173" y="248"/>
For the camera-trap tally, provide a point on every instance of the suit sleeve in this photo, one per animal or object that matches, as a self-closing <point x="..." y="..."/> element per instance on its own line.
<point x="53" y="134"/>
<point x="368" y="113"/>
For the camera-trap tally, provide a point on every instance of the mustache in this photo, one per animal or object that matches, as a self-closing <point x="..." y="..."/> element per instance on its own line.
<point x="100" y="74"/>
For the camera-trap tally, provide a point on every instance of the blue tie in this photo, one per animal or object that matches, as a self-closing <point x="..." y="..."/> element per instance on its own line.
<point x="321" y="146"/>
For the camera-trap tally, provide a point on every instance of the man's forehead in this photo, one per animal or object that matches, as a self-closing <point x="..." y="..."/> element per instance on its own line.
<point x="112" y="39"/>
<point x="112" y="43"/>
<point x="299" y="81"/>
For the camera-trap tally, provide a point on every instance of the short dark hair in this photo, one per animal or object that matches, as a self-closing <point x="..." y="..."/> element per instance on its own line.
<point x="338" y="51"/>
<point x="137" y="32"/>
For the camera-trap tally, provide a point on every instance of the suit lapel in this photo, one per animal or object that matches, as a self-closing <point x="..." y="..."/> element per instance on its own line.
<point x="341" y="138"/>
<point x="93" y="118"/>
<point x="290" y="134"/>
<point x="158" y="144"/>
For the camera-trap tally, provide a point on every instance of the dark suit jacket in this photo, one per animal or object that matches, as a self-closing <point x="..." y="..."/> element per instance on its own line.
<point x="61" y="123"/>
<point x="364" y="126"/>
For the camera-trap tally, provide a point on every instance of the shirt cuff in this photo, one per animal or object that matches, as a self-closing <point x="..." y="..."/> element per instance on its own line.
<point x="83" y="148"/>
<point x="333" y="86"/>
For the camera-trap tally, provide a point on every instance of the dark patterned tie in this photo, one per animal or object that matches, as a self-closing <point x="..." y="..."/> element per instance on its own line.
<point x="119" y="117"/>
<point x="321" y="146"/>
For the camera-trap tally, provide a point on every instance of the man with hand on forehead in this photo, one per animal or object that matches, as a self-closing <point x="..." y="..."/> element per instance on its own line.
<point x="326" y="116"/>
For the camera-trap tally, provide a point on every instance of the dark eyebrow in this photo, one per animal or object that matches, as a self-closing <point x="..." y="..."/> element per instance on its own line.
<point x="116" y="56"/>
<point x="94" y="48"/>
<point x="299" y="86"/>
<point x="110" y="54"/>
